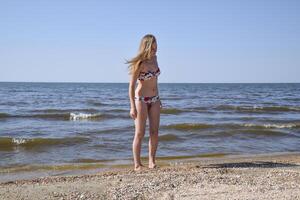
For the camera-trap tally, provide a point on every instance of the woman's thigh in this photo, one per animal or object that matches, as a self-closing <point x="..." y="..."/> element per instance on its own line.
<point x="140" y="120"/>
<point x="154" y="117"/>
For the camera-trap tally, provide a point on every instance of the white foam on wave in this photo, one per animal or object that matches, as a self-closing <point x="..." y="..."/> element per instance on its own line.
<point x="19" y="140"/>
<point x="79" y="116"/>
<point x="288" y="125"/>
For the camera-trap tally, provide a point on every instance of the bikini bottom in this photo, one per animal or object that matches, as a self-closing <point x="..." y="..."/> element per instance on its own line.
<point x="148" y="100"/>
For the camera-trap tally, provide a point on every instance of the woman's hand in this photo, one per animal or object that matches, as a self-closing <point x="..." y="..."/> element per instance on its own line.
<point x="133" y="112"/>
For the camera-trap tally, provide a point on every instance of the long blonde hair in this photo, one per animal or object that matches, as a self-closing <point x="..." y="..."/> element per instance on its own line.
<point x="145" y="51"/>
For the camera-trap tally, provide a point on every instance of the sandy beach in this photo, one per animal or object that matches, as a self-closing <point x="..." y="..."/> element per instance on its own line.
<point x="263" y="176"/>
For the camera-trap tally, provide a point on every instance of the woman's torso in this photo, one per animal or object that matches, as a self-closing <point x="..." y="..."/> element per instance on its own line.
<point x="148" y="87"/>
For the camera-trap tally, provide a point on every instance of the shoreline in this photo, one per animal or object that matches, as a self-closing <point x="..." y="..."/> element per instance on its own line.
<point x="259" y="176"/>
<point x="14" y="173"/>
<point x="29" y="172"/>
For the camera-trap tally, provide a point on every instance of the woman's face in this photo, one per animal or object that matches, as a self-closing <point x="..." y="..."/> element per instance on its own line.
<point x="154" y="48"/>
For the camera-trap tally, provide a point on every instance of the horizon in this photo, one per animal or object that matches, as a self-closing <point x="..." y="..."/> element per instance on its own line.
<point x="159" y="82"/>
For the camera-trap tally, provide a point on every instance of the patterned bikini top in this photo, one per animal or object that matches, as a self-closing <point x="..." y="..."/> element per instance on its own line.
<point x="148" y="75"/>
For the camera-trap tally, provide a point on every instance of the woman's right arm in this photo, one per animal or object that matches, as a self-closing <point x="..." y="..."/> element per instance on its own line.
<point x="132" y="82"/>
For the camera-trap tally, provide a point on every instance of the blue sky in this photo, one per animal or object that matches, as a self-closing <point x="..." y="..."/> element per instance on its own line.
<point x="198" y="41"/>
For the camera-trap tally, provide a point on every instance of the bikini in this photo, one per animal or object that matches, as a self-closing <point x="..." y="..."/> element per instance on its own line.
<point x="143" y="76"/>
<point x="148" y="75"/>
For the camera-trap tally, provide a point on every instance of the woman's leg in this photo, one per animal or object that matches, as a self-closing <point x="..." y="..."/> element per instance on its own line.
<point x="154" y="118"/>
<point x="140" y="124"/>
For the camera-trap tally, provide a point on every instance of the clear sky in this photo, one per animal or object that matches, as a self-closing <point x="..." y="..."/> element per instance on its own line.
<point x="198" y="41"/>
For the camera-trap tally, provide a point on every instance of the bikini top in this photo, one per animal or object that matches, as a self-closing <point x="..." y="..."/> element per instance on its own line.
<point x="148" y="75"/>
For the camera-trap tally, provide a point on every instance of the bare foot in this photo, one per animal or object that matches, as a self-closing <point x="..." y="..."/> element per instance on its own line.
<point x="152" y="166"/>
<point x="139" y="167"/>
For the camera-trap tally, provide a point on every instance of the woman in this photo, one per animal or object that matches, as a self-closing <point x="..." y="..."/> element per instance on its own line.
<point x="144" y="100"/>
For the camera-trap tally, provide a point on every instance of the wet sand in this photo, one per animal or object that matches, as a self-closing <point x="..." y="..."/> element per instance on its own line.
<point x="263" y="176"/>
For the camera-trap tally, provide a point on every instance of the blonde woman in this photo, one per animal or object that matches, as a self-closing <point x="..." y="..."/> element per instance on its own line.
<point x="144" y="99"/>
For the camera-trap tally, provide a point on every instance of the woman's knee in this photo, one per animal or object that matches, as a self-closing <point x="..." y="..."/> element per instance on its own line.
<point x="153" y="132"/>
<point x="139" y="135"/>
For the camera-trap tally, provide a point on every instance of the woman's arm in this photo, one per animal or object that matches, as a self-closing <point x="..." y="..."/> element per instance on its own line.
<point x="133" y="78"/>
<point x="131" y="90"/>
<point x="132" y="82"/>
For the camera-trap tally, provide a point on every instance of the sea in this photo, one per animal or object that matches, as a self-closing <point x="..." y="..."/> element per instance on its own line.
<point x="67" y="126"/>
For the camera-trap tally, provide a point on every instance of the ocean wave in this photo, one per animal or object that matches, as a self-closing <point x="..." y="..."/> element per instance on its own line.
<point x="188" y="126"/>
<point x="167" y="137"/>
<point x="171" y="111"/>
<point x="286" y="125"/>
<point x="120" y="129"/>
<point x="199" y="108"/>
<point x="58" y="116"/>
<point x="256" y="108"/>
<point x="14" y="103"/>
<point x="264" y="132"/>
<point x="4" y="115"/>
<point x="73" y="116"/>
<point x="117" y="110"/>
<point x="245" y="109"/>
<point x="96" y="116"/>
<point x="247" y="133"/>
<point x="231" y="126"/>
<point x="292" y="99"/>
<point x="9" y="143"/>
<point x="95" y="103"/>
<point x="80" y="116"/>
